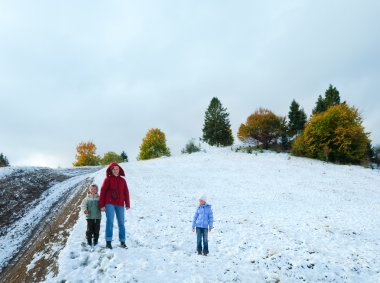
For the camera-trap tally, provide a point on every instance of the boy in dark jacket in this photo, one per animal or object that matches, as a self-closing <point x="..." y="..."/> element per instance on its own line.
<point x="203" y="223"/>
<point x="90" y="207"/>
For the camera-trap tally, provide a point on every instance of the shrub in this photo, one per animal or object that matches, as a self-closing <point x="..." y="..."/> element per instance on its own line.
<point x="191" y="147"/>
<point x="335" y="135"/>
<point x="153" y="145"/>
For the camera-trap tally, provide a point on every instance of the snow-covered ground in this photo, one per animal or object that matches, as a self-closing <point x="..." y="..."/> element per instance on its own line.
<point x="277" y="219"/>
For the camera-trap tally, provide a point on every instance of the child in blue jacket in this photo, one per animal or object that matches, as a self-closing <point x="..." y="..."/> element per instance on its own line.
<point x="203" y="223"/>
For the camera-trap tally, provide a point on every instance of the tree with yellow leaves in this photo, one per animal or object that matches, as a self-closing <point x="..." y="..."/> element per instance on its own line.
<point x="153" y="145"/>
<point x="336" y="135"/>
<point x="86" y="155"/>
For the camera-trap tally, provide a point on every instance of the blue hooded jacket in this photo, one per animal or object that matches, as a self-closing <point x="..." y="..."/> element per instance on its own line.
<point x="203" y="217"/>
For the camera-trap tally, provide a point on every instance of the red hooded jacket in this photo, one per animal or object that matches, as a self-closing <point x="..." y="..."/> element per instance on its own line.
<point x="114" y="189"/>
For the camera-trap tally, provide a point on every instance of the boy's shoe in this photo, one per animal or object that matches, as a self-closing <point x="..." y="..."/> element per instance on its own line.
<point x="123" y="245"/>
<point x="89" y="242"/>
<point x="95" y="242"/>
<point x="205" y="253"/>
<point x="108" y="245"/>
<point x="199" y="253"/>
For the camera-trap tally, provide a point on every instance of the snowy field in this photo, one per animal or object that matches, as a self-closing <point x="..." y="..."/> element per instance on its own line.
<point x="277" y="219"/>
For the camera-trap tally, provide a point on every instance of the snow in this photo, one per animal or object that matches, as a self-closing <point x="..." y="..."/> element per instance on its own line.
<point x="277" y="219"/>
<point x="5" y="171"/>
<point x="18" y="232"/>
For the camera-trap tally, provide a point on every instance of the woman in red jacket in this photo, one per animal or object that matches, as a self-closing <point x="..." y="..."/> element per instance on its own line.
<point x="114" y="194"/>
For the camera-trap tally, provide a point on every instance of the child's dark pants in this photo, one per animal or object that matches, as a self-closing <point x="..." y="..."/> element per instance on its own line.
<point x="202" y="233"/>
<point x="93" y="227"/>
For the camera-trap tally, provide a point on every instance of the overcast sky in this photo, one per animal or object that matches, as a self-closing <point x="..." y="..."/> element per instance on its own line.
<point x="108" y="71"/>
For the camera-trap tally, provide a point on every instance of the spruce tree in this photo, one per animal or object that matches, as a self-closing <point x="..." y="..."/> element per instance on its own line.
<point x="217" y="127"/>
<point x="3" y="161"/>
<point x="297" y="119"/>
<point x="320" y="106"/>
<point x="332" y="96"/>
<point x="124" y="156"/>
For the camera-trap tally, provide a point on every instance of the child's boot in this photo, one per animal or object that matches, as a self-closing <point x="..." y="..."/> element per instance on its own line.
<point x="108" y="245"/>
<point x="123" y="245"/>
<point x="95" y="241"/>
<point x="89" y="241"/>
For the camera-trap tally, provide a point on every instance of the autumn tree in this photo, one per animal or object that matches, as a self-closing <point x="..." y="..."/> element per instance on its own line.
<point x="86" y="155"/>
<point x="3" y="160"/>
<point x="111" y="157"/>
<point x="153" y="145"/>
<point x="217" y="127"/>
<point x="262" y="127"/>
<point x="336" y="135"/>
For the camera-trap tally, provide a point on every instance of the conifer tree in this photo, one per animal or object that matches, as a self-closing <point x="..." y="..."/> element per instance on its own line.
<point x="124" y="156"/>
<point x="217" y="127"/>
<point x="297" y="119"/>
<point x="320" y="106"/>
<point x="3" y="160"/>
<point x="376" y="150"/>
<point x="331" y="98"/>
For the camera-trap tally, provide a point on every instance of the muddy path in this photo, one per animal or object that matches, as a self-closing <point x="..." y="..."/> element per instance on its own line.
<point x="39" y="254"/>
<point x="19" y="190"/>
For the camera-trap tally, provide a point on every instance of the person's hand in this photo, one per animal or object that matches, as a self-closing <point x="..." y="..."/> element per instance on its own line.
<point x="193" y="229"/>
<point x="86" y="212"/>
<point x="103" y="209"/>
<point x="209" y="229"/>
<point x="127" y="208"/>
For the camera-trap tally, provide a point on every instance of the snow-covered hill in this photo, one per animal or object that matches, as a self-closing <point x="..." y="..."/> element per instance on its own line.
<point x="277" y="219"/>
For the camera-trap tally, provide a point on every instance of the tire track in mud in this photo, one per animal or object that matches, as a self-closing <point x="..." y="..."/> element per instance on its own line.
<point x="39" y="253"/>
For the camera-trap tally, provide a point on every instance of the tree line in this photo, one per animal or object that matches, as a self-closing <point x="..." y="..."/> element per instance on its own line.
<point x="334" y="132"/>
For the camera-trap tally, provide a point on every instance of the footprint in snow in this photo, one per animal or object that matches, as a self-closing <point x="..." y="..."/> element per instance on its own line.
<point x="74" y="255"/>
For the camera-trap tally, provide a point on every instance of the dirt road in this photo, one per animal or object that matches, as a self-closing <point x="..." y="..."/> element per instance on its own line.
<point x="39" y="252"/>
